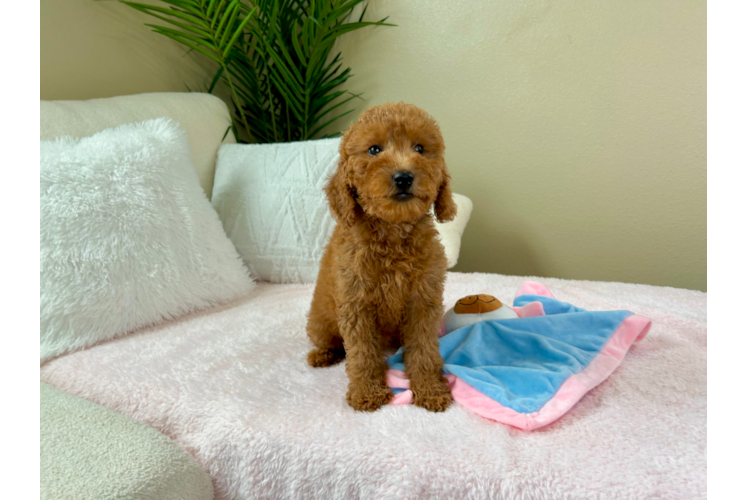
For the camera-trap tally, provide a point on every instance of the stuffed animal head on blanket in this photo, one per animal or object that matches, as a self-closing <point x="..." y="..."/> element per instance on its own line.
<point x="474" y="308"/>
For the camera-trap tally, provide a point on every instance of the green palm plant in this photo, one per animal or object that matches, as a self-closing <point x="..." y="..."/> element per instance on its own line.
<point x="273" y="55"/>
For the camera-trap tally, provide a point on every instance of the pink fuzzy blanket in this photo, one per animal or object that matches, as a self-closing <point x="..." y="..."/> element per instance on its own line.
<point x="232" y="387"/>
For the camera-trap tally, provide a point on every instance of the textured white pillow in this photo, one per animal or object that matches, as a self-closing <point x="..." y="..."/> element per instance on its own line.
<point x="128" y="238"/>
<point x="451" y="232"/>
<point x="270" y="199"/>
<point x="271" y="202"/>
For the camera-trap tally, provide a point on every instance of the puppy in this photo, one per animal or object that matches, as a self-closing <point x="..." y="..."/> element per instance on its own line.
<point x="382" y="275"/>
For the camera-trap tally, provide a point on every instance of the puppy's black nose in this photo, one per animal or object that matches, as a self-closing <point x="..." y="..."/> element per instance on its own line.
<point x="403" y="180"/>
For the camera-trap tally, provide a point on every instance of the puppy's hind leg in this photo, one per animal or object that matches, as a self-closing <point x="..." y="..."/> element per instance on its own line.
<point x="327" y="355"/>
<point x="322" y="329"/>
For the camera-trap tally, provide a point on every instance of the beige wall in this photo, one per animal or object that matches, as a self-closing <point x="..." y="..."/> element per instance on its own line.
<point x="93" y="48"/>
<point x="578" y="128"/>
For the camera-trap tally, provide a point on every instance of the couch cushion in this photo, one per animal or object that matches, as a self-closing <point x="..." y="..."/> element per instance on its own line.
<point x="204" y="117"/>
<point x="90" y="452"/>
<point x="270" y="198"/>
<point x="127" y="237"/>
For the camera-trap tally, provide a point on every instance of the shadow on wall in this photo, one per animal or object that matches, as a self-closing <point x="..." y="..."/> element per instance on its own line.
<point x="504" y="240"/>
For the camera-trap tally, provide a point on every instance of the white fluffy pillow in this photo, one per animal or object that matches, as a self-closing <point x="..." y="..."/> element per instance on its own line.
<point x="271" y="202"/>
<point x="128" y="238"/>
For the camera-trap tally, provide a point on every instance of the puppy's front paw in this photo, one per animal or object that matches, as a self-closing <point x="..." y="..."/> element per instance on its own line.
<point x="434" y="396"/>
<point x="368" y="397"/>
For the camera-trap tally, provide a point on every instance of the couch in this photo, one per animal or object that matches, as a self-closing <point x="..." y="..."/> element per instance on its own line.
<point x="226" y="394"/>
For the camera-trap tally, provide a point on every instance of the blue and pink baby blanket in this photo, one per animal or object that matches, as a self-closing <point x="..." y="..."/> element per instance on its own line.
<point x="528" y="372"/>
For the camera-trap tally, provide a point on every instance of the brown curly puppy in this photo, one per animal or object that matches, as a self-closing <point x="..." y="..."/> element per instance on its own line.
<point x="382" y="275"/>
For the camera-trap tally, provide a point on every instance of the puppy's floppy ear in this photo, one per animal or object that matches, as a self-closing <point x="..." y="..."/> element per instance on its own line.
<point x="444" y="206"/>
<point x="340" y="195"/>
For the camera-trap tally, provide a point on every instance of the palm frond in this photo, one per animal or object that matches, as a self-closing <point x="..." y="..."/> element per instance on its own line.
<point x="274" y="55"/>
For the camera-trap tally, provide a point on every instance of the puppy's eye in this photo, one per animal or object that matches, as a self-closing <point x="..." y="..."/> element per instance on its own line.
<point x="418" y="149"/>
<point x="374" y="150"/>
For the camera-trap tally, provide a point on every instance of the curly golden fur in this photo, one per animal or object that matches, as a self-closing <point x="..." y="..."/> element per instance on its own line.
<point x="382" y="275"/>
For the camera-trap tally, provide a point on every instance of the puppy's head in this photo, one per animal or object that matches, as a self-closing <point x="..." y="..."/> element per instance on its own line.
<point x="391" y="167"/>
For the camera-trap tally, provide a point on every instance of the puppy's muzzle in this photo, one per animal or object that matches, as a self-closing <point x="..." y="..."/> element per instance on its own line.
<point x="403" y="181"/>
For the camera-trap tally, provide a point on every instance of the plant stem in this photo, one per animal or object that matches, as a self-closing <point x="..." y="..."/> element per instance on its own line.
<point x="288" y="122"/>
<point x="272" y="112"/>
<point x="237" y="103"/>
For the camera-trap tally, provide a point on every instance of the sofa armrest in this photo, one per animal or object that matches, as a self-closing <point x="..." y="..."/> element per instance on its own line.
<point x="89" y="452"/>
